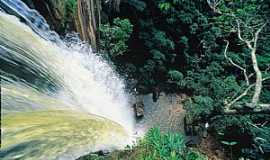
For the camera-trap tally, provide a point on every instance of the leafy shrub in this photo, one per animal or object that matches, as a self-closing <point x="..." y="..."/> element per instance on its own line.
<point x="175" y="78"/>
<point x="199" y="107"/>
<point x="155" y="146"/>
<point x="168" y="146"/>
<point x="114" y="37"/>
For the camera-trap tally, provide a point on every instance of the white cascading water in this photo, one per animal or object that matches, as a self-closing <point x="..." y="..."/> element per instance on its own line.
<point x="69" y="71"/>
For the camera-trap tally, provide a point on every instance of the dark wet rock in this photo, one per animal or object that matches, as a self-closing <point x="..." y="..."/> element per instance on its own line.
<point x="102" y="152"/>
<point x="139" y="109"/>
<point x="155" y="93"/>
<point x="192" y="140"/>
<point x="59" y="14"/>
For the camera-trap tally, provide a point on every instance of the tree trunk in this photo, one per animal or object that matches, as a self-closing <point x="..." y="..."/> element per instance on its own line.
<point x="259" y="79"/>
<point x="258" y="84"/>
<point x="88" y="21"/>
<point x="255" y="111"/>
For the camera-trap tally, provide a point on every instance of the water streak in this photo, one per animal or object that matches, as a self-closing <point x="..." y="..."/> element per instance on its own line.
<point x="31" y="17"/>
<point x="41" y="78"/>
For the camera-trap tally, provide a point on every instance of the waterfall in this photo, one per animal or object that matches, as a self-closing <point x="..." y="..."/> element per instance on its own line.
<point x="31" y="17"/>
<point x="59" y="99"/>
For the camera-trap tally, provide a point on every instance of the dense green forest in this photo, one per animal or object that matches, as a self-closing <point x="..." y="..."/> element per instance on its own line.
<point x="215" y="51"/>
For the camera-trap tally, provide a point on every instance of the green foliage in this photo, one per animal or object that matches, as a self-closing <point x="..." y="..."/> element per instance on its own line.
<point x="69" y="10"/>
<point x="71" y="6"/>
<point x="168" y="146"/>
<point x="199" y="108"/>
<point x="242" y="129"/>
<point x="155" y="146"/>
<point x="164" y="6"/>
<point x="175" y="78"/>
<point x="178" y="45"/>
<point x="165" y="145"/>
<point x="114" y="37"/>
<point x="175" y="75"/>
<point x="165" y="33"/>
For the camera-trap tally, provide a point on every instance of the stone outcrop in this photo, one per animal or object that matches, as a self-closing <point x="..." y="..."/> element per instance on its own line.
<point x="60" y="14"/>
<point x="82" y="16"/>
<point x="139" y="109"/>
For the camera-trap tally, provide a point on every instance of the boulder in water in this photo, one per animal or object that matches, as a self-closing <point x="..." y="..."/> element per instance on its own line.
<point x="139" y="109"/>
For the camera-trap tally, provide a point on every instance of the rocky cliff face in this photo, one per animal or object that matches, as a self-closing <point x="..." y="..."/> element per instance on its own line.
<point x="82" y="16"/>
<point x="60" y="14"/>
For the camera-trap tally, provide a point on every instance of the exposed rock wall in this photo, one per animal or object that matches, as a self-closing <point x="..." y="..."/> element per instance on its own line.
<point x="60" y="14"/>
<point x="82" y="16"/>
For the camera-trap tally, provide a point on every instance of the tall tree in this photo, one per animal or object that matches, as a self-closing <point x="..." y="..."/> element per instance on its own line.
<point x="88" y="21"/>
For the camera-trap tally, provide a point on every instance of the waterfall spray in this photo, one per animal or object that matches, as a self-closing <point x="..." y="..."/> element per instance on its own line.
<point x="46" y="84"/>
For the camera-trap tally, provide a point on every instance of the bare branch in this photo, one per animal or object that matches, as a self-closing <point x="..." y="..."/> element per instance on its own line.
<point x="267" y="69"/>
<point x="243" y="94"/>
<point x="213" y="4"/>
<point x="252" y="45"/>
<point x="254" y="111"/>
<point x="257" y="34"/>
<point x="250" y="75"/>
<point x="234" y="64"/>
<point x="264" y="105"/>
<point x="266" y="78"/>
<point x="227" y="107"/>
<point x="249" y="44"/>
<point x="239" y="31"/>
<point x="258" y="84"/>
